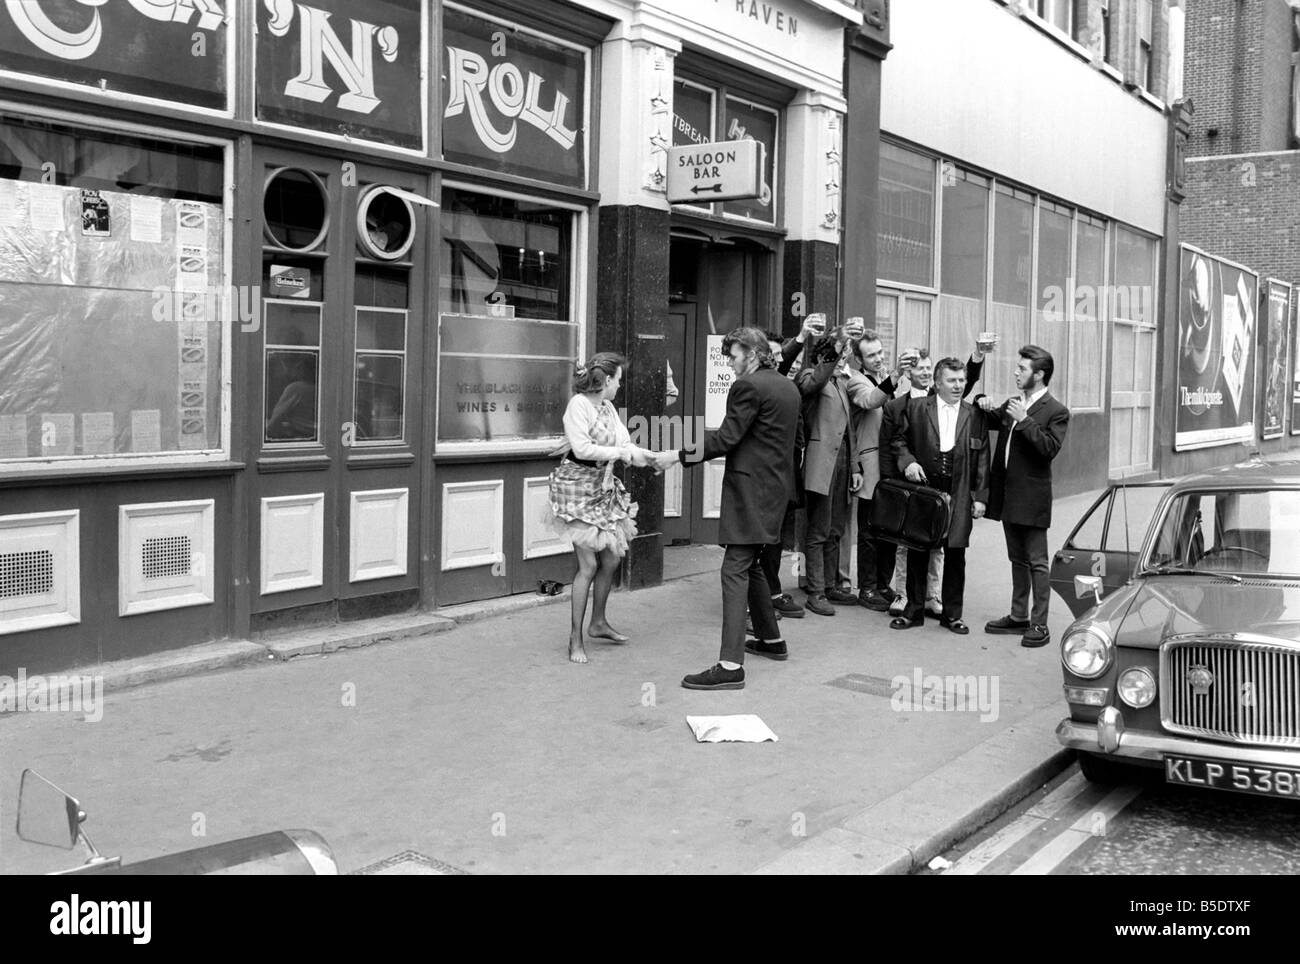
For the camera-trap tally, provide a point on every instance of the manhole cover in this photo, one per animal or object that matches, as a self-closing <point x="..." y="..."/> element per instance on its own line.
<point x="408" y="863"/>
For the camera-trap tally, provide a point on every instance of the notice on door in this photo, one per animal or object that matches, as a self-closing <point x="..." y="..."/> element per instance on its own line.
<point x="718" y="377"/>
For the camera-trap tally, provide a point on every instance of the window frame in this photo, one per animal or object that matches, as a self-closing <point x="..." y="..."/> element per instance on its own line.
<point x="403" y="353"/>
<point x="269" y="445"/>
<point x="579" y="276"/>
<point x="225" y="404"/>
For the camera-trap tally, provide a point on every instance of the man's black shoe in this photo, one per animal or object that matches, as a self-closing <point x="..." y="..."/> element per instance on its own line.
<point x="716" y="678"/>
<point x="1036" y="636"/>
<point x="902" y="622"/>
<point x="772" y="650"/>
<point x="1006" y="626"/>
<point x="874" y="600"/>
<point x="842" y="597"/>
<point x="786" y="606"/>
<point x="954" y="626"/>
<point x="820" y="606"/>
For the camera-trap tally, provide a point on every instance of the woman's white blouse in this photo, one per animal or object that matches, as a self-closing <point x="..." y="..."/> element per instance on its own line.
<point x="580" y="421"/>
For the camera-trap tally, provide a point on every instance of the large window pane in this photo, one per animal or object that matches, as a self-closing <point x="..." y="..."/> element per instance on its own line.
<point x="1013" y="250"/>
<point x="502" y="251"/>
<point x="887" y="323"/>
<point x="1054" y="291"/>
<point x="964" y="264"/>
<point x="1087" y="330"/>
<point x="1134" y="284"/>
<point x="906" y="237"/>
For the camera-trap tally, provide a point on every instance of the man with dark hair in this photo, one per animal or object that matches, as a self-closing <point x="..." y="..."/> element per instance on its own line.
<point x="1032" y="430"/>
<point x="940" y="442"/>
<point x="757" y="437"/>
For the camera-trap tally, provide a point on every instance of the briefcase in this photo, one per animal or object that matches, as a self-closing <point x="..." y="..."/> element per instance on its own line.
<point x="910" y="515"/>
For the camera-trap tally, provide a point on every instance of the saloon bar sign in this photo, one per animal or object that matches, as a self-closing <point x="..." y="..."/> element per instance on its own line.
<point x="173" y="50"/>
<point x="715" y="172"/>
<point x="349" y="67"/>
<point x="514" y="101"/>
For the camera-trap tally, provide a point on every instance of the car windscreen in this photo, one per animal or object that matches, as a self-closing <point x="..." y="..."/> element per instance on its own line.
<point x="1235" y="531"/>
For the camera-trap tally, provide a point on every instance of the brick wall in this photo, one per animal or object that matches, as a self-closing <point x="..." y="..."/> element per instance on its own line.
<point x="1237" y="73"/>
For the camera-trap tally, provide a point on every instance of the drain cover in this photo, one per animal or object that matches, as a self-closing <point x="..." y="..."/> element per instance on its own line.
<point x="879" y="686"/>
<point x="406" y="864"/>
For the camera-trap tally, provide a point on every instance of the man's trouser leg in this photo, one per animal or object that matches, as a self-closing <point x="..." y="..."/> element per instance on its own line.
<point x="917" y="562"/>
<point x="1020" y="577"/>
<point x="868" y="550"/>
<point x="1030" y="572"/>
<point x="954" y="582"/>
<point x="744" y="586"/>
<point x="771" y="559"/>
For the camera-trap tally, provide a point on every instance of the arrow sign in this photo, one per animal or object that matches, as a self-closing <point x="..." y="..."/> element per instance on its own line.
<point x="726" y="171"/>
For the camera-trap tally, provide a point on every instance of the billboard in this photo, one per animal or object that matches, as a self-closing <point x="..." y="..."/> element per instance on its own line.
<point x="1215" y="401"/>
<point x="1275" y="305"/>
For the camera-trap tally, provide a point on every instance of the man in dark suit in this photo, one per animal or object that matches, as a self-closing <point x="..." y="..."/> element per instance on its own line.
<point x="939" y="441"/>
<point x="757" y="436"/>
<point x="1032" y="429"/>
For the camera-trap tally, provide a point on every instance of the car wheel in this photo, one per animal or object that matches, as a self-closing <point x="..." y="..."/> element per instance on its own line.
<point x="1100" y="769"/>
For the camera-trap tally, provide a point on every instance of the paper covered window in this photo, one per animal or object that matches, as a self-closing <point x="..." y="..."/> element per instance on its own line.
<point x="111" y="294"/>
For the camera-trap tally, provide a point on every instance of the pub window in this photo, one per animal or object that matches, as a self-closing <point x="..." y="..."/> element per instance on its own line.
<point x="113" y="294"/>
<point x="694" y="119"/>
<point x="1055" y="229"/>
<point x="906" y="238"/>
<point x="380" y="362"/>
<point x="508" y="332"/>
<point x="1013" y="254"/>
<point x="292" y="366"/>
<point x="1083" y="382"/>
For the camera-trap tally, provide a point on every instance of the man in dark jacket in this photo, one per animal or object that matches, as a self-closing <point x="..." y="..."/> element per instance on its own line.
<point x="941" y="442"/>
<point x="1031" y="430"/>
<point x="757" y="437"/>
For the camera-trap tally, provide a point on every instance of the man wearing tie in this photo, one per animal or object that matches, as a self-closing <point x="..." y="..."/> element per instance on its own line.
<point x="941" y="443"/>
<point x="1032" y="430"/>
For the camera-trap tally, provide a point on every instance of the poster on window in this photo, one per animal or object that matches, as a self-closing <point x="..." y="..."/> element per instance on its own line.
<point x="1277" y="305"/>
<point x="745" y="121"/>
<point x="514" y="101"/>
<point x="1215" y="402"/>
<point x="1294" y="316"/>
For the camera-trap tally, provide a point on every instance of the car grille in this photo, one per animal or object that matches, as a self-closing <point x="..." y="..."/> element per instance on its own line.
<point x="1254" y="696"/>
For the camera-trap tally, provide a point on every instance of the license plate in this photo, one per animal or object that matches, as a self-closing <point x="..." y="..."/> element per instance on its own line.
<point x="1265" y="781"/>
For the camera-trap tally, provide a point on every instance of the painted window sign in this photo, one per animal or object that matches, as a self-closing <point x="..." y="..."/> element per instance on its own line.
<point x="172" y="50"/>
<point x="749" y="121"/>
<point x="692" y="115"/>
<point x="342" y="67"/>
<point x="515" y="103"/>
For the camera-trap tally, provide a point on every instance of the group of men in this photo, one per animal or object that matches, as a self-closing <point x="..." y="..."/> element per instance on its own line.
<point x="817" y="421"/>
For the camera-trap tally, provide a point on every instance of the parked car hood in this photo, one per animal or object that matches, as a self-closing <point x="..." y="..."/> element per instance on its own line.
<point x="1164" y="606"/>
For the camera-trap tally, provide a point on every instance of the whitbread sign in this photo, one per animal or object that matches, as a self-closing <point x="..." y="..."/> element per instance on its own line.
<point x="727" y="171"/>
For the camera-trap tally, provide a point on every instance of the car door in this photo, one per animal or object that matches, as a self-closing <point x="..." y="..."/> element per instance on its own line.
<point x="1106" y="541"/>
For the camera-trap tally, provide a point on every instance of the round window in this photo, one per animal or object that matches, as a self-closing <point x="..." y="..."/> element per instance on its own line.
<point x="385" y="224"/>
<point x="295" y="208"/>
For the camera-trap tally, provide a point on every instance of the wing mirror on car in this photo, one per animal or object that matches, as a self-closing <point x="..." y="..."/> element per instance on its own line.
<point x="47" y="815"/>
<point x="1083" y="585"/>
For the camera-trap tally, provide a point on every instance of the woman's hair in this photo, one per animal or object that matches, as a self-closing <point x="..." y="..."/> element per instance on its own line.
<point x="601" y="367"/>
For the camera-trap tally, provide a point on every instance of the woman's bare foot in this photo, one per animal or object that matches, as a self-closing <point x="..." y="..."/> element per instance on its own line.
<point x="605" y="631"/>
<point x="577" y="651"/>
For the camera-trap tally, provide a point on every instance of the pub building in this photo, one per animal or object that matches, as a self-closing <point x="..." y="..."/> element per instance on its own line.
<point x="290" y="293"/>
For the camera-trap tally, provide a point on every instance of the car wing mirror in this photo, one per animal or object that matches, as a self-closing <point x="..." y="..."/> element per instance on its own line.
<point x="1085" y="585"/>
<point x="47" y="815"/>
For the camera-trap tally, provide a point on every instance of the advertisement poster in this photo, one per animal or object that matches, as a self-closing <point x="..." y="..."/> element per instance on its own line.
<point x="1215" y="402"/>
<point x="1277" y="304"/>
<point x="1295" y="362"/>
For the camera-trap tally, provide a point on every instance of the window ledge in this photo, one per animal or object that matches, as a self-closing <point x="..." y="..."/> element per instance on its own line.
<point x="70" y="475"/>
<point x="1052" y="31"/>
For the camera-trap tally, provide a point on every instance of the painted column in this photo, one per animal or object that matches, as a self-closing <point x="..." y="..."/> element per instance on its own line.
<point x="814" y="209"/>
<point x="632" y="260"/>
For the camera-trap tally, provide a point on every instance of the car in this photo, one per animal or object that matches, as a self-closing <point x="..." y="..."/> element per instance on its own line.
<point x="1185" y="650"/>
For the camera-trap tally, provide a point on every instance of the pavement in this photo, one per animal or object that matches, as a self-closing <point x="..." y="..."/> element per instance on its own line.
<point x="464" y="739"/>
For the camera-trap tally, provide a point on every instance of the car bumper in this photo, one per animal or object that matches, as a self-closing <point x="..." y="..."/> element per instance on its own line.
<point x="1108" y="736"/>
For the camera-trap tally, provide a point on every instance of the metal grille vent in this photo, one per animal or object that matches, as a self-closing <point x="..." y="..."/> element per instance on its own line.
<point x="26" y="573"/>
<point x="166" y="556"/>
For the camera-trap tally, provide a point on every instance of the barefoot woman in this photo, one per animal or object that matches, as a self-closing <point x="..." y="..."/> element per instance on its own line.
<point x="588" y="504"/>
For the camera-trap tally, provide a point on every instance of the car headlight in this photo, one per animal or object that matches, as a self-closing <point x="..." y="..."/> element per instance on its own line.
<point x="1137" y="687"/>
<point x="1087" y="652"/>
